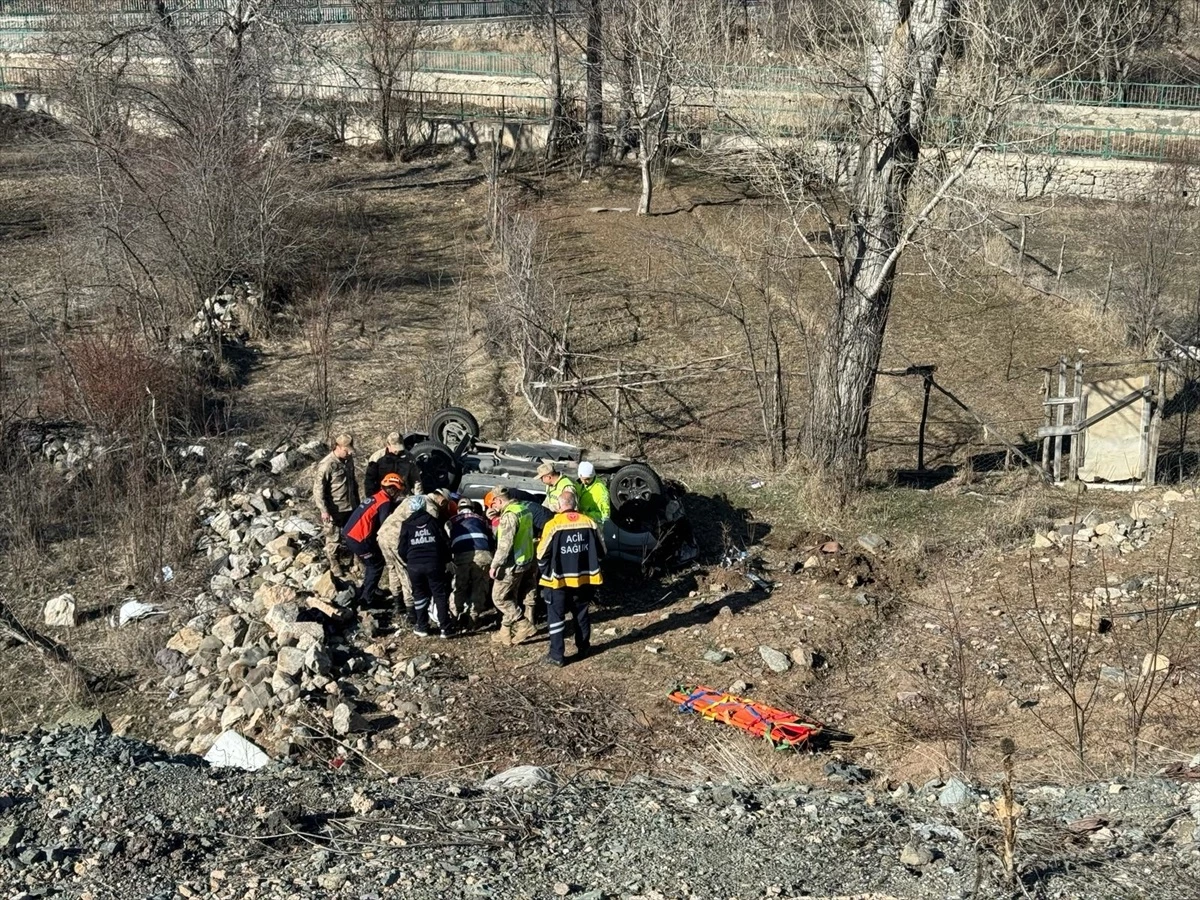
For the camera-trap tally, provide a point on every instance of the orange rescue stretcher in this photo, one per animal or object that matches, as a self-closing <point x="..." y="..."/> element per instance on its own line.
<point x="778" y="727"/>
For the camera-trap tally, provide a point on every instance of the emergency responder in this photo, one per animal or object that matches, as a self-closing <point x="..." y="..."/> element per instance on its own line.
<point x="361" y="535"/>
<point x="471" y="542"/>
<point x="392" y="457"/>
<point x="513" y="574"/>
<point x="556" y="484"/>
<point x="335" y="494"/>
<point x="569" y="556"/>
<point x="593" y="495"/>
<point x="425" y="549"/>
<point x="389" y="543"/>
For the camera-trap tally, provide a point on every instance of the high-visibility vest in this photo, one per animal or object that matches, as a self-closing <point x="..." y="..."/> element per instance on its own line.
<point x="522" y="545"/>
<point x="559" y="488"/>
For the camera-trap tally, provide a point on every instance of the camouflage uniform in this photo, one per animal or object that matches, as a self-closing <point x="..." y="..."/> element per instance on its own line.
<point x="389" y="542"/>
<point x="335" y="493"/>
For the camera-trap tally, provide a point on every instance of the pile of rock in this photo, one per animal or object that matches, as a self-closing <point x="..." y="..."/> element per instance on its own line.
<point x="1123" y="534"/>
<point x="223" y="315"/>
<point x="257" y="642"/>
<point x="266" y="651"/>
<point x="69" y="447"/>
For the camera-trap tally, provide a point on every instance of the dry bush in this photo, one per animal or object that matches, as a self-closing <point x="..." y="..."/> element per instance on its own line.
<point x="543" y="721"/>
<point x="1062" y="653"/>
<point x="950" y="687"/>
<point x="124" y="387"/>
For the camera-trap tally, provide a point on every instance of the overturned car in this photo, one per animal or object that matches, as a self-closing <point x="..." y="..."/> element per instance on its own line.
<point x="648" y="524"/>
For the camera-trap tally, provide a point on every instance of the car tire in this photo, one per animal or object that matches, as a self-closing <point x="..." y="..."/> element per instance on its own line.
<point x="439" y="466"/>
<point x="637" y="497"/>
<point x="452" y="425"/>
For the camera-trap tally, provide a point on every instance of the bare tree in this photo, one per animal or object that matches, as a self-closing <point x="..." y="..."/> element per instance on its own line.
<point x="593" y="144"/>
<point x="741" y="273"/>
<point x="1061" y="641"/>
<point x="650" y="40"/>
<point x="1110" y="35"/>
<point x="1160" y="235"/>
<point x="904" y="133"/>
<point x="388" y="34"/>
<point x="529" y="315"/>
<point x="182" y="162"/>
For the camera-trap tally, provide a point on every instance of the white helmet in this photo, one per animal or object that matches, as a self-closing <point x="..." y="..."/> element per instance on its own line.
<point x="587" y="470"/>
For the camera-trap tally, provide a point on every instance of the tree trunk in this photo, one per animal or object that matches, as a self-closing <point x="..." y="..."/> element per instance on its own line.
<point x="904" y="57"/>
<point x="626" y="138"/>
<point x="644" y="163"/>
<point x="593" y="147"/>
<point x="385" y="120"/>
<point x="556" y="90"/>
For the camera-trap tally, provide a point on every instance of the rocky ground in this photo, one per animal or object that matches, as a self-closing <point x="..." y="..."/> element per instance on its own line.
<point x="87" y="814"/>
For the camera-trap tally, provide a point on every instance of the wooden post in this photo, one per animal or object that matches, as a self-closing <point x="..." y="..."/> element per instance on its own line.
<point x="1048" y="422"/>
<point x="1060" y="417"/>
<point x="1062" y="251"/>
<point x="1076" y="418"/>
<point x="1152" y="437"/>
<point x="928" y="384"/>
<point x="1021" y="250"/>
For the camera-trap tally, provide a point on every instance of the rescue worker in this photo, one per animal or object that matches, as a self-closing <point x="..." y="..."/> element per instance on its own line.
<point x="569" y="556"/>
<point x="533" y="502"/>
<point x="514" y="578"/>
<point x="593" y="495"/>
<point x="361" y="534"/>
<point x="392" y="457"/>
<point x="471" y="543"/>
<point x="399" y="585"/>
<point x="556" y="484"/>
<point x="335" y="494"/>
<point x="425" y="549"/>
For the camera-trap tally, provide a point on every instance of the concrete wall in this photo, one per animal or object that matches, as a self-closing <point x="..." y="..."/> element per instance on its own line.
<point x="1013" y="176"/>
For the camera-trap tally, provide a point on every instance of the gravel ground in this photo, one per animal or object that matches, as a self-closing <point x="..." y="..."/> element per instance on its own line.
<point x="85" y="814"/>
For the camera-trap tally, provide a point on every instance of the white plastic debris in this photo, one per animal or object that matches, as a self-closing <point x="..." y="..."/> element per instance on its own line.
<point x="134" y="610"/>
<point x="297" y="525"/>
<point x="520" y="778"/>
<point x="168" y="574"/>
<point x="232" y="751"/>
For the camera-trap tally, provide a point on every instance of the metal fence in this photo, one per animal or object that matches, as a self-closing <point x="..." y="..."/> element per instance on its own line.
<point x="1042" y="139"/>
<point x="480" y="62"/>
<point x="1101" y="93"/>
<point x="316" y="11"/>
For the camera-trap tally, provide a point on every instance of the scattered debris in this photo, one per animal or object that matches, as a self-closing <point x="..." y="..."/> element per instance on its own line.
<point x="135" y="610"/>
<point x="520" y="778"/>
<point x="231" y="750"/>
<point x="60" y="611"/>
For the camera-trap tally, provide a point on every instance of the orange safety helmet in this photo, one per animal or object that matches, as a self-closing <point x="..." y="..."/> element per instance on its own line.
<point x="488" y="498"/>
<point x="392" y="480"/>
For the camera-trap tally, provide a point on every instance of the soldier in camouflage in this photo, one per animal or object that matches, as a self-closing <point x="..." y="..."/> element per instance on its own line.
<point x="335" y="494"/>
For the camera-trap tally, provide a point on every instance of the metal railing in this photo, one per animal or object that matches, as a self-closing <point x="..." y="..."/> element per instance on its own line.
<point x="1137" y="95"/>
<point x="1040" y="139"/>
<point x="326" y="12"/>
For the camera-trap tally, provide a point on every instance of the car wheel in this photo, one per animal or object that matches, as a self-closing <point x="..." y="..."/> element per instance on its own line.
<point x="452" y="426"/>
<point x="438" y="464"/>
<point x="636" y="495"/>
